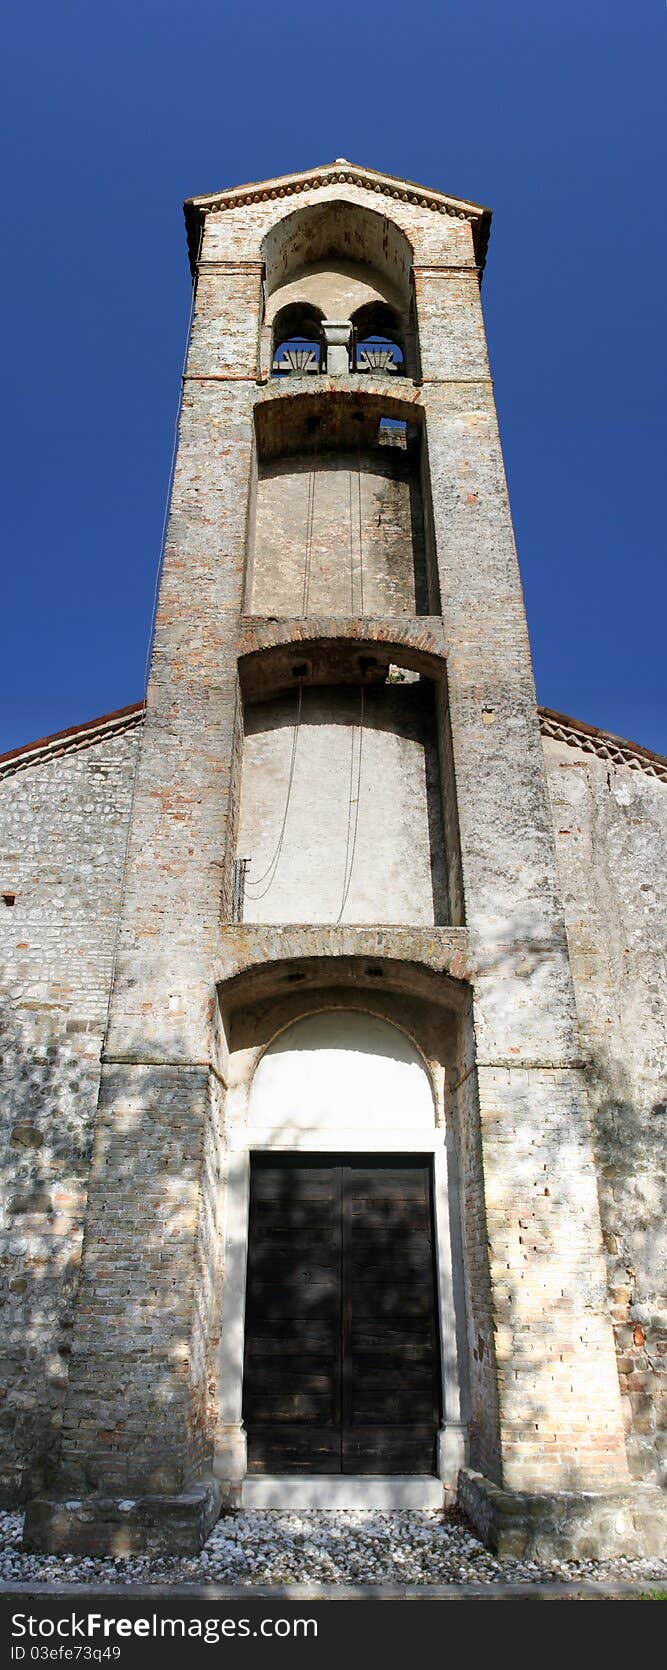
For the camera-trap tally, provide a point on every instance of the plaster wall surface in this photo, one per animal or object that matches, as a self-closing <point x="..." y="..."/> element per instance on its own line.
<point x="338" y="289"/>
<point x="340" y="533"/>
<point x="381" y="784"/>
<point x="611" y="837"/>
<point x="63" y="825"/>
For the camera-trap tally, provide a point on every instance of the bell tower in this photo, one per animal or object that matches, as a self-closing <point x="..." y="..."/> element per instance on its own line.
<point x="342" y="1034"/>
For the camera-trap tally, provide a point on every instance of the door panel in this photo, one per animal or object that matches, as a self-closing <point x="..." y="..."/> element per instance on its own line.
<point x="341" y="1358"/>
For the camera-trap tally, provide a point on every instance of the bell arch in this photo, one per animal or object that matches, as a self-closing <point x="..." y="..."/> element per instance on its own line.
<point x="342" y="259"/>
<point x="378" y="339"/>
<point x="297" y="329"/>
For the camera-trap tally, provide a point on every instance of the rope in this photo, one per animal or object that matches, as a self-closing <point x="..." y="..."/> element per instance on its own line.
<point x="151" y="634"/>
<point x="273" y="865"/>
<point x="269" y="874"/>
<point x="349" y="487"/>
<point x="310" y="527"/>
<point x="361" y="557"/>
<point x="347" y="874"/>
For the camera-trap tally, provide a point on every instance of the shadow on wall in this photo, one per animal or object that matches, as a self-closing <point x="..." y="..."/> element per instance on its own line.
<point x="158" y="1288"/>
<point x="47" y="1148"/>
<point x="629" y="1142"/>
<point x="49" y="1095"/>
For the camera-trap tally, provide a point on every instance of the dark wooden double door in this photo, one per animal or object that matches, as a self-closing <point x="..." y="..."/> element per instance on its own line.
<point x="341" y="1344"/>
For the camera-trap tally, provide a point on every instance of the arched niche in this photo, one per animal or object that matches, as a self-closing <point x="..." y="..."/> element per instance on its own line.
<point x="341" y="519"/>
<point x="340" y="258"/>
<point x="340" y="231"/>
<point x="341" y="810"/>
<point x="339" y="1074"/>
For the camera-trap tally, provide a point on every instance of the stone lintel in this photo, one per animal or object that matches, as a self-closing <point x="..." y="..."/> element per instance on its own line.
<point x="120" y="1525"/>
<point x="572" y="1525"/>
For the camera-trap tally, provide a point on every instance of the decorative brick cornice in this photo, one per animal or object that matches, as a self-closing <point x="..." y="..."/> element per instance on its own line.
<point x="259" y="635"/>
<point x="576" y="734"/>
<point x="340" y="172"/>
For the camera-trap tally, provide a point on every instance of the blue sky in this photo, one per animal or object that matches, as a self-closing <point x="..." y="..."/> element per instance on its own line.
<point x="553" y="115"/>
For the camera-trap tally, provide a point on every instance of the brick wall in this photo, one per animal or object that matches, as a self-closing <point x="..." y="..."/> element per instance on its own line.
<point x="62" y="837"/>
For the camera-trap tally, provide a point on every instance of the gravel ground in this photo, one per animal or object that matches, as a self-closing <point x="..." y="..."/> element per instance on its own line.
<point x="316" y="1547"/>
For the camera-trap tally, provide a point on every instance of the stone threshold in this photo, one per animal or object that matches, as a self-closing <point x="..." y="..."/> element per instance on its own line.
<point x="335" y="1491"/>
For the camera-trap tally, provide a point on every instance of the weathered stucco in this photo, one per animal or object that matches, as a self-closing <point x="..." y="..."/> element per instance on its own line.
<point x="611" y="838"/>
<point x="358" y="517"/>
<point x="362" y="837"/>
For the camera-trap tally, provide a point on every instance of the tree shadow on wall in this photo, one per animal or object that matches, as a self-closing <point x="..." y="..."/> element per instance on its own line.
<point x="629" y="1145"/>
<point x="48" y="1101"/>
<point x="56" y="1263"/>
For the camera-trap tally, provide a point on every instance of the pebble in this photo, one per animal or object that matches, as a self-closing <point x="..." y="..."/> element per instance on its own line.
<point x="359" y="1547"/>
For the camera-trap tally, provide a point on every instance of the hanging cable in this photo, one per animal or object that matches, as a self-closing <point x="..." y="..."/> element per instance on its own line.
<point x="269" y="874"/>
<point x="310" y="527"/>
<point x="353" y="800"/>
<point x="351" y="524"/>
<point x="272" y="867"/>
<point x="361" y="556"/>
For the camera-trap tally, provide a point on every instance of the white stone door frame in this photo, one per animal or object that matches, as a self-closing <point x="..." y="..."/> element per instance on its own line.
<point x="230" y="1462"/>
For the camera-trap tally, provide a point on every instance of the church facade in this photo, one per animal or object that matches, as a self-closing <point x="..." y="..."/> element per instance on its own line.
<point x="334" y="1020"/>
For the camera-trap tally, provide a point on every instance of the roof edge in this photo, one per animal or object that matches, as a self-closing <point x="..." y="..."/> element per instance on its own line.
<point x="70" y="740"/>
<point x="559" y="727"/>
<point x="576" y="733"/>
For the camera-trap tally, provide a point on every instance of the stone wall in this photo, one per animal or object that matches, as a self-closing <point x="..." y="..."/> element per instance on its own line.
<point x="63" y="824"/>
<point x="63" y="832"/>
<point x="611" y="836"/>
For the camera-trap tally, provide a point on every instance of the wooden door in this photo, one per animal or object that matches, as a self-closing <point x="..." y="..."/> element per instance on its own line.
<point x="341" y="1352"/>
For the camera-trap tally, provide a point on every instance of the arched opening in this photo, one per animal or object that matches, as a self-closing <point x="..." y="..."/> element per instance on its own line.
<point x="297" y="340"/>
<point x="341" y="1272"/>
<point x="340" y="260"/>
<point x="378" y="340"/>
<point x="337" y="230"/>
<point x="344" y="1257"/>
